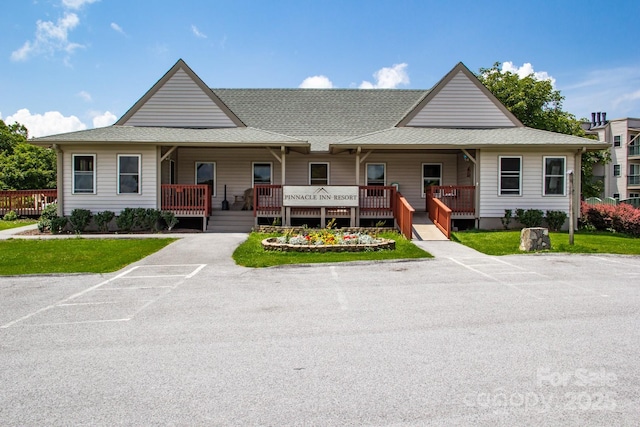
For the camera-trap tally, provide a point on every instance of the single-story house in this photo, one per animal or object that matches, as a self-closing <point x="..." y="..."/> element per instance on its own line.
<point x="288" y="155"/>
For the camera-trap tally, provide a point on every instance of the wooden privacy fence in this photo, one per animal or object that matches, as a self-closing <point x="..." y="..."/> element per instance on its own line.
<point x="186" y="200"/>
<point x="26" y="202"/>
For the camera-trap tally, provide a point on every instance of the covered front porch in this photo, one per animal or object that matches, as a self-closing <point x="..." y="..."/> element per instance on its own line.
<point x="374" y="204"/>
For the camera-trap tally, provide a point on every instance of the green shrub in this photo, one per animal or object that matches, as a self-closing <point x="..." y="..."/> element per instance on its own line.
<point x="79" y="219"/>
<point x="530" y="217"/>
<point x="555" y="219"/>
<point x="102" y="220"/>
<point x="151" y="220"/>
<point x="139" y="218"/>
<point x="169" y="219"/>
<point x="10" y="216"/>
<point x="506" y="219"/>
<point x="48" y="213"/>
<point x="126" y="220"/>
<point x="58" y="224"/>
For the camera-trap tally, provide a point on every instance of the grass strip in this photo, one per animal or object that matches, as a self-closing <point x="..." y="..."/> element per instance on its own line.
<point x="251" y="254"/>
<point x="6" y="225"/>
<point x="75" y="255"/>
<point x="507" y="242"/>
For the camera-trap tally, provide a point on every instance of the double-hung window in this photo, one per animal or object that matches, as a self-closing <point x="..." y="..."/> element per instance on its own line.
<point x="554" y="176"/>
<point x="616" y="140"/>
<point x="616" y="170"/>
<point x="84" y="174"/>
<point x="376" y="176"/>
<point x="129" y="173"/>
<point x="510" y="176"/>
<point x="263" y="174"/>
<point x="206" y="174"/>
<point x="431" y="175"/>
<point x="318" y="173"/>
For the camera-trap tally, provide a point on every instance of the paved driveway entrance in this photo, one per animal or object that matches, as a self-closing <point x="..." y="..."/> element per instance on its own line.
<point x="187" y="337"/>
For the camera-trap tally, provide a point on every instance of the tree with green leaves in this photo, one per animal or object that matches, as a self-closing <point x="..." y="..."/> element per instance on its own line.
<point x="538" y="105"/>
<point x="24" y="166"/>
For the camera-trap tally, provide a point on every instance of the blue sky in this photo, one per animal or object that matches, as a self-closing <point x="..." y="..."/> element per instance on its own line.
<point x="73" y="64"/>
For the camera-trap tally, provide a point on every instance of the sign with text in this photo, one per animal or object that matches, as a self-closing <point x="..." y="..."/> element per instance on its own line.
<point x="320" y="196"/>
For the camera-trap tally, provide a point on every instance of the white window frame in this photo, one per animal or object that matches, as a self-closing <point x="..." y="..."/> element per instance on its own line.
<point x="561" y="175"/>
<point x="500" y="194"/>
<point x="366" y="175"/>
<point x="617" y="170"/>
<point x="617" y="140"/>
<point x="424" y="194"/>
<point x="253" y="168"/>
<point x="73" y="174"/>
<point x="139" y="156"/>
<point x="328" y="172"/>
<point x="215" y="175"/>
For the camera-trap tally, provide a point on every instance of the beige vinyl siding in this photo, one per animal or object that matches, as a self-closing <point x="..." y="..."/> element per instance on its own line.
<point x="460" y="104"/>
<point x="233" y="168"/>
<point x="406" y="170"/>
<point x="106" y="196"/>
<point x="465" y="168"/>
<point x="494" y="205"/>
<point x="180" y="102"/>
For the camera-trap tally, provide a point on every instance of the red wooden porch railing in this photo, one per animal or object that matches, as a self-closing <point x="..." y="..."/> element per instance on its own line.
<point x="376" y="200"/>
<point x="186" y="200"/>
<point x="440" y="214"/>
<point x="267" y="199"/>
<point x="403" y="213"/>
<point x="26" y="202"/>
<point x="459" y="198"/>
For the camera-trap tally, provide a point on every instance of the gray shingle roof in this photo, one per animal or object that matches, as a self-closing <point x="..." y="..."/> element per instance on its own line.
<point x="219" y="137"/>
<point x="410" y="137"/>
<point x="320" y="116"/>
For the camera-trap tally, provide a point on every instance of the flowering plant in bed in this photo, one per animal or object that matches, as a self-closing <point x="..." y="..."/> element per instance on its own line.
<point x="328" y="237"/>
<point x="326" y="240"/>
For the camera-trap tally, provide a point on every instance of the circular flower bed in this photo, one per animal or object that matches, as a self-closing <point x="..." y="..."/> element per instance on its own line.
<point x="327" y="241"/>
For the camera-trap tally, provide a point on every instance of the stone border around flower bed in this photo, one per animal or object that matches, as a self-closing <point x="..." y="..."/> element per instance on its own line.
<point x="271" y="244"/>
<point x="299" y="230"/>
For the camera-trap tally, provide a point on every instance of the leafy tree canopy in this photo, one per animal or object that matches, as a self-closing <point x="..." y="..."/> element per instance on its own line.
<point x="24" y="166"/>
<point x="534" y="102"/>
<point x="538" y="105"/>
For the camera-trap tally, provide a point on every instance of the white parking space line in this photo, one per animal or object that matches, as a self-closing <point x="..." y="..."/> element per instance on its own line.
<point x="342" y="299"/>
<point x="191" y="271"/>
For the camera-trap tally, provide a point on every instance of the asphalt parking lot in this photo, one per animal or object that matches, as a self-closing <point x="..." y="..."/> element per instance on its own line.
<point x="186" y="337"/>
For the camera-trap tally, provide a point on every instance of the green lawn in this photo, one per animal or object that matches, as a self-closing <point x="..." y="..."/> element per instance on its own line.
<point x="5" y="225"/>
<point x="507" y="242"/>
<point x="73" y="255"/>
<point x="251" y="254"/>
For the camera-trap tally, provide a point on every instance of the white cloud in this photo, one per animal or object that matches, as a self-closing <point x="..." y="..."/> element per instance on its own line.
<point x="388" y="78"/>
<point x="612" y="90"/>
<point x="197" y="32"/>
<point x="49" y="38"/>
<point x="103" y="119"/>
<point x="117" y="28"/>
<point x="49" y="123"/>
<point x="525" y="70"/>
<point x="85" y="95"/>
<point x="316" y="82"/>
<point x="76" y="4"/>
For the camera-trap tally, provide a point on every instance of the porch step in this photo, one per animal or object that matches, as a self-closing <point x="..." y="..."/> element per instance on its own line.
<point x="230" y="222"/>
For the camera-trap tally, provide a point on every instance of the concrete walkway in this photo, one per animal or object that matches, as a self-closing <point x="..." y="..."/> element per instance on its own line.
<point x="425" y="229"/>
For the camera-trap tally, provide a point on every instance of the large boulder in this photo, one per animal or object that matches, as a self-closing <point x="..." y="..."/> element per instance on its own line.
<point x="535" y="239"/>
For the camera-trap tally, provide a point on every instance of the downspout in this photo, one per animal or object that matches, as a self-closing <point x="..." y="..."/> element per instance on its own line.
<point x="59" y="178"/>
<point x="358" y="150"/>
<point x="578" y="178"/>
